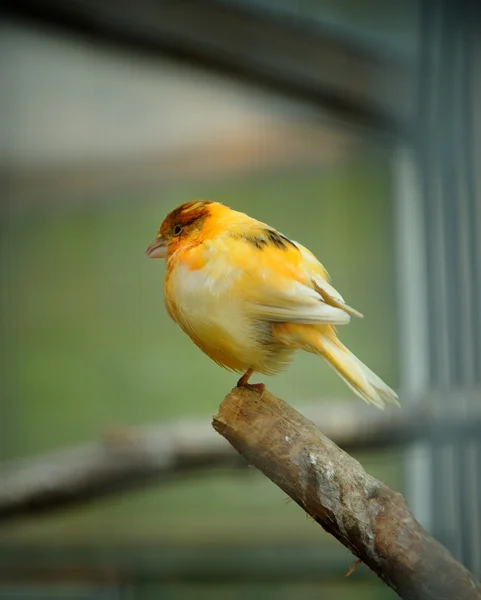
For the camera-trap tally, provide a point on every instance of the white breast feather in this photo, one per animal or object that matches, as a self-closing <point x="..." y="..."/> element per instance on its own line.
<point x="206" y="301"/>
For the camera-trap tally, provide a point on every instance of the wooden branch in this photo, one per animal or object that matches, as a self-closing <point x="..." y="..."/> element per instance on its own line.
<point x="135" y="457"/>
<point x="366" y="516"/>
<point x="124" y="459"/>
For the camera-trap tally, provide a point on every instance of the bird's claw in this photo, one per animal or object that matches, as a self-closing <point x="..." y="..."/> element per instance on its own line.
<point x="243" y="382"/>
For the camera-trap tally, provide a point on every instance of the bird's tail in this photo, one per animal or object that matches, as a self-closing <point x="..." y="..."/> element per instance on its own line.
<point x="356" y="375"/>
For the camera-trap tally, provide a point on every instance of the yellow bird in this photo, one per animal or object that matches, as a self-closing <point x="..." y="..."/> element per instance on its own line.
<point x="248" y="296"/>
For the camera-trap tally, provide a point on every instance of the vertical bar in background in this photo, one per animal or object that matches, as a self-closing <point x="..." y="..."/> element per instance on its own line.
<point x="443" y="210"/>
<point x="462" y="234"/>
<point x="448" y="498"/>
<point x="470" y="161"/>
<point x="412" y="315"/>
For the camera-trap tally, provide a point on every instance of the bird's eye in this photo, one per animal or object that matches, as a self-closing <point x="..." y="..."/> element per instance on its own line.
<point x="177" y="229"/>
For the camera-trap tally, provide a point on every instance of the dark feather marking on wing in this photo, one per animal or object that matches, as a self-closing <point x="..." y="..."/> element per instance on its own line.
<point x="268" y="237"/>
<point x="256" y="241"/>
<point x="279" y="240"/>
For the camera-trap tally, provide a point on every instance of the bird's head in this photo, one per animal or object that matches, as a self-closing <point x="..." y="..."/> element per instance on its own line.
<point x="184" y="224"/>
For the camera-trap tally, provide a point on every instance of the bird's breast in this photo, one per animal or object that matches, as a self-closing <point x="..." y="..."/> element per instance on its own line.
<point x="205" y="304"/>
<point x="203" y="294"/>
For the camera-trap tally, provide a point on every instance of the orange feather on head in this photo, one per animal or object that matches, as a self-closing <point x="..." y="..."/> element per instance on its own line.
<point x="181" y="225"/>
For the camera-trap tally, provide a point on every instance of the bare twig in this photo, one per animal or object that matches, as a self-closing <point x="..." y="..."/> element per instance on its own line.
<point x="369" y="518"/>
<point x="133" y="457"/>
<point x="125" y="458"/>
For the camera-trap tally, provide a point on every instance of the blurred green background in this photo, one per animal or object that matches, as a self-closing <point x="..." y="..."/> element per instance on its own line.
<point x="87" y="344"/>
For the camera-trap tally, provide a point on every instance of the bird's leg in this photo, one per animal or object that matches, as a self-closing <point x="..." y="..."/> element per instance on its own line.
<point x="244" y="382"/>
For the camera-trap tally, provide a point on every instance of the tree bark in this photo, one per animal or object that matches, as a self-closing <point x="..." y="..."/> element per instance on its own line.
<point x="365" y="515"/>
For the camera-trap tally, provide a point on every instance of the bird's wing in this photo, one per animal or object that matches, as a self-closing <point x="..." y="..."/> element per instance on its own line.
<point x="283" y="282"/>
<point x="318" y="315"/>
<point x="332" y="296"/>
<point x="320" y="282"/>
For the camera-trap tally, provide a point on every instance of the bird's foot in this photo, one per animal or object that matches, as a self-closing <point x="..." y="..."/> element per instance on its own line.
<point x="255" y="387"/>
<point x="259" y="388"/>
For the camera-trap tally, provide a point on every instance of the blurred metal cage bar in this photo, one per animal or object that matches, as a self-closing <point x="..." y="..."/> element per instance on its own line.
<point x="440" y="281"/>
<point x="244" y="40"/>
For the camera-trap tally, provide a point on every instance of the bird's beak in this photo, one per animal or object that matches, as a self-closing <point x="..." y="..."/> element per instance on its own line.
<point x="157" y="249"/>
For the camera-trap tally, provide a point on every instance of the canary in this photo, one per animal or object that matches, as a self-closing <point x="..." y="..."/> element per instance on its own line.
<point x="248" y="296"/>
